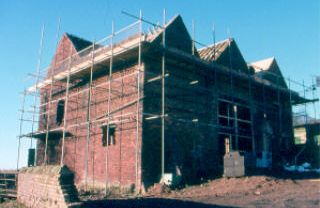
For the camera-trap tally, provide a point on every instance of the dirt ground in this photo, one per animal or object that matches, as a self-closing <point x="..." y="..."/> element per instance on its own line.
<point x="252" y="191"/>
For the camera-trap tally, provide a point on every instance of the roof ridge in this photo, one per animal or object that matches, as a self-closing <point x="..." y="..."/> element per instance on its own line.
<point x="162" y="28"/>
<point x="78" y="42"/>
<point x="75" y="36"/>
<point x="265" y="59"/>
<point x="215" y="44"/>
<point x="263" y="64"/>
<point x="172" y="20"/>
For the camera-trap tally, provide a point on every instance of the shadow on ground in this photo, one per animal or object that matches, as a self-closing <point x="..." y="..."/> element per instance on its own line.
<point x="148" y="202"/>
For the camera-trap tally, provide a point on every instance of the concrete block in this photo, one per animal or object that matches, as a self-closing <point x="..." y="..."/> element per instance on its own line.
<point x="233" y="165"/>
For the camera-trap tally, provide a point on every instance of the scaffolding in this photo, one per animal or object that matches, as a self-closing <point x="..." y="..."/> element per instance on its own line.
<point x="8" y="184"/>
<point x="72" y="83"/>
<point x="62" y="77"/>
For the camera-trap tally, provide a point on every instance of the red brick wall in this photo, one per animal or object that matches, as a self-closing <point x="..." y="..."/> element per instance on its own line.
<point x="64" y="50"/>
<point x="121" y="166"/>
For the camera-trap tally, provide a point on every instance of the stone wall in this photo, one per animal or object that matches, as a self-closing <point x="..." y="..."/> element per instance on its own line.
<point x="47" y="186"/>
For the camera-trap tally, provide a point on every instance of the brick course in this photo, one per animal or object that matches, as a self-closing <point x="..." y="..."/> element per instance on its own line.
<point x="49" y="186"/>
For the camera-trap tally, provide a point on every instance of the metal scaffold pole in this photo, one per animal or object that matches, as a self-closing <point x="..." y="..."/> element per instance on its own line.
<point x="290" y="94"/>
<point x="163" y="96"/>
<point x="214" y="41"/>
<point x="89" y="117"/>
<point x="48" y="120"/>
<point x="290" y="102"/>
<point x="48" y="124"/>
<point x="50" y="100"/>
<point x="21" y="127"/>
<point x="305" y="103"/>
<point x="279" y="112"/>
<point x="37" y="82"/>
<point x="313" y="89"/>
<point x="66" y="109"/>
<point x="138" y="100"/>
<point x="108" y="107"/>
<point x="252" y="117"/>
<point x="193" y="37"/>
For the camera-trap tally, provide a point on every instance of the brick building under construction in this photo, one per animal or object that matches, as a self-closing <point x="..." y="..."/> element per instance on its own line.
<point x="126" y="110"/>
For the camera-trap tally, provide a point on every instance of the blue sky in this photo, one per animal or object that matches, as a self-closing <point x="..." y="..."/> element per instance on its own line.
<point x="288" y="30"/>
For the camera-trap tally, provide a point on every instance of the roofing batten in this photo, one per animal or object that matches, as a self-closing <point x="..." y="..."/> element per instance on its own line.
<point x="213" y="52"/>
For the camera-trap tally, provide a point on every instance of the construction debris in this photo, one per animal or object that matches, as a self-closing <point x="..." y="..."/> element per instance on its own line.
<point x="305" y="167"/>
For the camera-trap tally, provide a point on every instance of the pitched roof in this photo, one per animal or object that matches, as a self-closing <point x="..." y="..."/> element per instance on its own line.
<point x="156" y="32"/>
<point x="226" y="53"/>
<point x="268" y="69"/>
<point x="213" y="52"/>
<point x="176" y="34"/>
<point x="262" y="65"/>
<point x="78" y="43"/>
